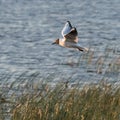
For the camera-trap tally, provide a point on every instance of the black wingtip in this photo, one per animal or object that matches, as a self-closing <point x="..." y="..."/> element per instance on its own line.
<point x="69" y="23"/>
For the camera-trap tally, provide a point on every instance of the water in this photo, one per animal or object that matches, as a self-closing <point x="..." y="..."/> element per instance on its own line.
<point x="28" y="27"/>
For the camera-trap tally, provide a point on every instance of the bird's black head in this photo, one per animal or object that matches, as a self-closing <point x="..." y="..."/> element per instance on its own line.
<point x="56" y="42"/>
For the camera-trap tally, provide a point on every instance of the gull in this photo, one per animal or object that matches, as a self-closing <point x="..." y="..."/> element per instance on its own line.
<point x="70" y="38"/>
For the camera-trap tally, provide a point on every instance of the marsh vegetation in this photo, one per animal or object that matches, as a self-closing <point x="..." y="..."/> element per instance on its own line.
<point x="94" y="101"/>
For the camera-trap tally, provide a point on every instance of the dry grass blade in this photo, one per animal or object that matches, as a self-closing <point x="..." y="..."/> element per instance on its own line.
<point x="92" y="102"/>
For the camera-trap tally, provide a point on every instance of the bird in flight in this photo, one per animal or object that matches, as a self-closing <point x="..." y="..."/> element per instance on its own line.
<point x="70" y="38"/>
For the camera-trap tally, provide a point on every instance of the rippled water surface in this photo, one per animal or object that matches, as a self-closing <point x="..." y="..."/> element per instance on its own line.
<point x="28" y="27"/>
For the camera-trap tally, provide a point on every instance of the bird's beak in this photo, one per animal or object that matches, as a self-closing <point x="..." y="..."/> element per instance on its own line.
<point x="53" y="43"/>
<point x="56" y="42"/>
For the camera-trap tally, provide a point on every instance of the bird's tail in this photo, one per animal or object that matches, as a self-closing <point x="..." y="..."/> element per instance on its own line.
<point x="83" y="49"/>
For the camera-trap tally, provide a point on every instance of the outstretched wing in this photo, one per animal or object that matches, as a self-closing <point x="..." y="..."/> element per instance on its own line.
<point x="70" y="33"/>
<point x="72" y="36"/>
<point x="66" y="29"/>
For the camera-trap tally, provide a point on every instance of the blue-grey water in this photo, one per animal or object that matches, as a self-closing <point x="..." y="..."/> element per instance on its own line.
<point x="28" y="27"/>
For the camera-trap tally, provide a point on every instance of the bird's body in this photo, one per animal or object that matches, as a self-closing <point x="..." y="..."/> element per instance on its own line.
<point x="67" y="44"/>
<point x="70" y="38"/>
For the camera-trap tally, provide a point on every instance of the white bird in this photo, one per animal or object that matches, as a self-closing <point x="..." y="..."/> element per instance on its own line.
<point x="70" y="38"/>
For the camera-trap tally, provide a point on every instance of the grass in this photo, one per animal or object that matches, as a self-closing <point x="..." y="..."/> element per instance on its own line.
<point x="94" y="102"/>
